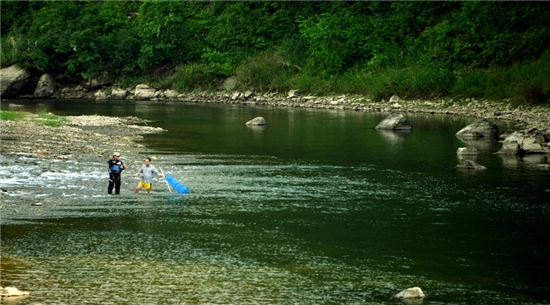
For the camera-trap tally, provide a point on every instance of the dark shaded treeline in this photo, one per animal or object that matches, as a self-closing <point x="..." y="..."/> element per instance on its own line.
<point x="416" y="49"/>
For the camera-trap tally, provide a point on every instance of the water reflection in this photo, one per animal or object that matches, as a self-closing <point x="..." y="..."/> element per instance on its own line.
<point x="483" y="145"/>
<point x="394" y="137"/>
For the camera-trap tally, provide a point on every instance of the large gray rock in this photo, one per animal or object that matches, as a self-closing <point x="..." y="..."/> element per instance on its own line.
<point x="143" y="92"/>
<point x="531" y="145"/>
<point x="257" y="121"/>
<point x="395" y="122"/>
<point x="518" y="143"/>
<point x="470" y="165"/>
<point x="12" y="79"/>
<point x="118" y="93"/>
<point x="481" y="128"/>
<point x="45" y="86"/>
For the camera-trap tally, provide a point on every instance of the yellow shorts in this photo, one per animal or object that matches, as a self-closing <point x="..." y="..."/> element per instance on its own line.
<point x="145" y="185"/>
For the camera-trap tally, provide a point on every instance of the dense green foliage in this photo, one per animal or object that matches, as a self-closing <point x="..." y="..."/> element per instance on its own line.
<point x="414" y="49"/>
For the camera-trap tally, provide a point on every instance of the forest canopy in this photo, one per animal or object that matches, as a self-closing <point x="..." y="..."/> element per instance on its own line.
<point x="423" y="49"/>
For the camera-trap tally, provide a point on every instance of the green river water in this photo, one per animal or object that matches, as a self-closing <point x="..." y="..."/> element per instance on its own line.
<point x="316" y="208"/>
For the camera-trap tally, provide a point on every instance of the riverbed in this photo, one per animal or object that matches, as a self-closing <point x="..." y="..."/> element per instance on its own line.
<point x="315" y="208"/>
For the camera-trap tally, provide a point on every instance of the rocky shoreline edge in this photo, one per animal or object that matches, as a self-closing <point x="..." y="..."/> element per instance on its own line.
<point x="86" y="136"/>
<point x="19" y="83"/>
<point x="523" y="117"/>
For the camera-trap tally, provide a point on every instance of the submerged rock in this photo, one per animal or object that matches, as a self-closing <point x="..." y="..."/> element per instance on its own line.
<point x="470" y="165"/>
<point x="481" y="128"/>
<point x="395" y="122"/>
<point x="257" y="121"/>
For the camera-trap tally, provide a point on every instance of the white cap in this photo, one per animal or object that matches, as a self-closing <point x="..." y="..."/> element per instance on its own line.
<point x="117" y="154"/>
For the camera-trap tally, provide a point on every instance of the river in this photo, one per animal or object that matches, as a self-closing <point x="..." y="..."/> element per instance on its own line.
<point x="316" y="208"/>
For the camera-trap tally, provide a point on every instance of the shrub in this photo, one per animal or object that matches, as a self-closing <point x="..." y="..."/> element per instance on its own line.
<point x="196" y="76"/>
<point x="10" y="49"/>
<point x="266" y="71"/>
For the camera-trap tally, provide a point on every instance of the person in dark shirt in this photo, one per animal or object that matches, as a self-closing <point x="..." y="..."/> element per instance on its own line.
<point x="115" y="169"/>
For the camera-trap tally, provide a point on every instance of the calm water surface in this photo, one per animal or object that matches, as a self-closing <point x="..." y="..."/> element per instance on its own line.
<point x="315" y="208"/>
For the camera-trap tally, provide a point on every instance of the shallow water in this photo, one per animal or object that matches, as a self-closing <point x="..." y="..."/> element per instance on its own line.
<point x="315" y="208"/>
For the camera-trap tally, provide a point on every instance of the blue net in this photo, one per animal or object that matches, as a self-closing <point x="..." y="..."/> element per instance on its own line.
<point x="176" y="185"/>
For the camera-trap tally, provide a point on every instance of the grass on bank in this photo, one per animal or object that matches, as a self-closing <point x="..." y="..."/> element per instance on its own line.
<point x="42" y="117"/>
<point x="49" y="119"/>
<point x="6" y="115"/>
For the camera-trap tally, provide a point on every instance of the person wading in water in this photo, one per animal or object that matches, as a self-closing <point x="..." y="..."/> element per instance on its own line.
<point x="146" y="173"/>
<point x="115" y="169"/>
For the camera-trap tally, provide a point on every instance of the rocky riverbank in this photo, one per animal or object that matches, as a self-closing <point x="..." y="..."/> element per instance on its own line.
<point x="80" y="136"/>
<point x="18" y="83"/>
<point x="524" y="117"/>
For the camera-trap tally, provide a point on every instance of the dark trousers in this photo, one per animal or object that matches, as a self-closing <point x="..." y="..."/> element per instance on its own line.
<point x="114" y="180"/>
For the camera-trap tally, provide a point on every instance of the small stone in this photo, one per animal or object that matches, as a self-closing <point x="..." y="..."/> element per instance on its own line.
<point x="248" y="94"/>
<point x="394" y="99"/>
<point x="235" y="95"/>
<point x="293" y="93"/>
<point x="36" y="204"/>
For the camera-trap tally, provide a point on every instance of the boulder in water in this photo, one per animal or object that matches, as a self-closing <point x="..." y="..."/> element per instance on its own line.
<point x="481" y="128"/>
<point x="410" y="294"/>
<point x="395" y="122"/>
<point x="257" y="121"/>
